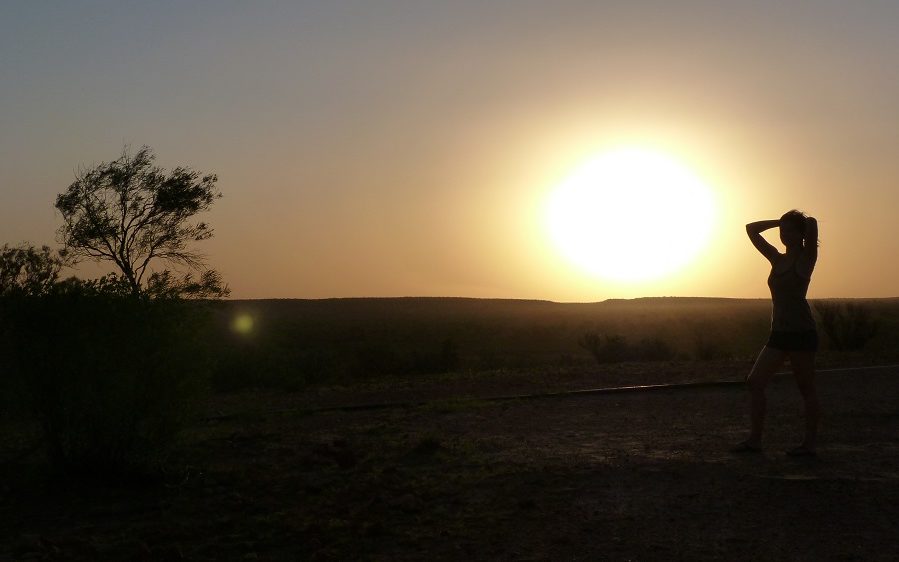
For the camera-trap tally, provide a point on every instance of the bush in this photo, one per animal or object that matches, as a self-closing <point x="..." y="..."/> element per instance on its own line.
<point x="605" y="349"/>
<point x="441" y="360"/>
<point x="111" y="379"/>
<point x="26" y="270"/>
<point x="377" y="359"/>
<point x="706" y="348"/>
<point x="848" y="326"/>
<point x="612" y="348"/>
<point x="250" y="365"/>
<point x="653" y="349"/>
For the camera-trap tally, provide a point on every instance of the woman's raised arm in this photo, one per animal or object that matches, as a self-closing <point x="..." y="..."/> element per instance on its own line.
<point x="754" y="230"/>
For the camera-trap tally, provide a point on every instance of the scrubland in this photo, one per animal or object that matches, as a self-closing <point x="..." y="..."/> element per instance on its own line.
<point x="266" y="458"/>
<point x="295" y="343"/>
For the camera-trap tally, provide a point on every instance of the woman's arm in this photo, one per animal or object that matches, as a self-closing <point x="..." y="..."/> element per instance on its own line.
<point x="754" y="230"/>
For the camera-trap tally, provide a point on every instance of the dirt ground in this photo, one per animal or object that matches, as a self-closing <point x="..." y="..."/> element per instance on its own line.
<point x="635" y="476"/>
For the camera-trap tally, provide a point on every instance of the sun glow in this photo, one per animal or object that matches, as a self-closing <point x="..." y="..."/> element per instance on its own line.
<point x="630" y="215"/>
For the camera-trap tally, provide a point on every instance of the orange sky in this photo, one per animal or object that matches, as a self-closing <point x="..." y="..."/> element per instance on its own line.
<point x="393" y="148"/>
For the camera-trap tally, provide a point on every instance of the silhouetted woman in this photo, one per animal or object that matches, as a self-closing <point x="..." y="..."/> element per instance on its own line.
<point x="793" y="332"/>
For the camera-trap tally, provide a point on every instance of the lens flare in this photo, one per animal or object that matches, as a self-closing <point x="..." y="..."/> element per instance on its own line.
<point x="243" y="324"/>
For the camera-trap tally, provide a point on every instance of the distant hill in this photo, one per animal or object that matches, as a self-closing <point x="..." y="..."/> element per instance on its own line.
<point x="482" y="303"/>
<point x="681" y="300"/>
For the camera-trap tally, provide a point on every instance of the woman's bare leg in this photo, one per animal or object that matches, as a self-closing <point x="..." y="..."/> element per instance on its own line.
<point x="767" y="363"/>
<point x="803" y="363"/>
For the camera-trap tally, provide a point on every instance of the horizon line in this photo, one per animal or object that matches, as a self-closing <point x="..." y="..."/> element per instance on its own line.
<point x="610" y="299"/>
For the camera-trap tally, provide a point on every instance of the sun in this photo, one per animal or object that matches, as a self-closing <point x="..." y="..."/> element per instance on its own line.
<point x="631" y="215"/>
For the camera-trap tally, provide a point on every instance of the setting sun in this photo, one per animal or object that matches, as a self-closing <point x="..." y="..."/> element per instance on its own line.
<point x="630" y="215"/>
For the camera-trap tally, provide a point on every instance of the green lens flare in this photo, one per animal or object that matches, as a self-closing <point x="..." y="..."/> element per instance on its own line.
<point x="243" y="324"/>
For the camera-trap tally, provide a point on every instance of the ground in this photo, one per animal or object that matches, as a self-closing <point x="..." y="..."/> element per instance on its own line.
<point x="631" y="476"/>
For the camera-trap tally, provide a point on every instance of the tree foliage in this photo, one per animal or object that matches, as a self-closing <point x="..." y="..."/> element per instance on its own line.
<point x="110" y="377"/>
<point x="135" y="214"/>
<point x="26" y="270"/>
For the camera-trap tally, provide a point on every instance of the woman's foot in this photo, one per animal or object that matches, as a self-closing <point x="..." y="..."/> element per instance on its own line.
<point x="747" y="447"/>
<point x="802" y="451"/>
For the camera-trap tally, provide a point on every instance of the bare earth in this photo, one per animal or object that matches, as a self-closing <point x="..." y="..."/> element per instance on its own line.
<point x="637" y="476"/>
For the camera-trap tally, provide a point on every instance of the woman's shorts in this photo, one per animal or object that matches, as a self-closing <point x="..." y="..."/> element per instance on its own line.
<point x="806" y="340"/>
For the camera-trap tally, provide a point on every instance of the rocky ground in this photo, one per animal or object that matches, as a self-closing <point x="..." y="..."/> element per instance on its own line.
<point x="633" y="476"/>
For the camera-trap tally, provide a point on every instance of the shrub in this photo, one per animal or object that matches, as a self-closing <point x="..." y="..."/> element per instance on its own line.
<point x="251" y="365"/>
<point x="610" y="348"/>
<point x="26" y="270"/>
<point x="848" y="326"/>
<point x="441" y="360"/>
<point x="374" y="359"/>
<point x="111" y="379"/>
<point x="380" y="359"/>
<point x="707" y="349"/>
<point x="653" y="349"/>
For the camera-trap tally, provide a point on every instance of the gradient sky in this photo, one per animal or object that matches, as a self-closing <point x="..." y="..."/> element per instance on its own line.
<point x="389" y="148"/>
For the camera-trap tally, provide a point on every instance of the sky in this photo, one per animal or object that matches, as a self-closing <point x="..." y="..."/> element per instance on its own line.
<point x="409" y="147"/>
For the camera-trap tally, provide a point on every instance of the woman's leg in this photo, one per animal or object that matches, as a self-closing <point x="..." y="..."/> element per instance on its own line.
<point x="768" y="362"/>
<point x="803" y="363"/>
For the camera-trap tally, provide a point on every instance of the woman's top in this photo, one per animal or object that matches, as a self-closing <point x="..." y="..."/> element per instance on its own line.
<point x="791" y="312"/>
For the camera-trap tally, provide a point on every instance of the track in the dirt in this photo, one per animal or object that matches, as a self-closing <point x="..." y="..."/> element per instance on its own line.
<point x="579" y="392"/>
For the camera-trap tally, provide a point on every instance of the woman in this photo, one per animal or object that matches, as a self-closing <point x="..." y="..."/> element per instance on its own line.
<point x="793" y="333"/>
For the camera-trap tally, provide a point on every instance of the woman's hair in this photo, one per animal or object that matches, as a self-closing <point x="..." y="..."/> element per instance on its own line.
<point x="798" y="220"/>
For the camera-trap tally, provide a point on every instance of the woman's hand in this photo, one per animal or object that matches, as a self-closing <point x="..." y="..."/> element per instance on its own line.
<point x="760" y="226"/>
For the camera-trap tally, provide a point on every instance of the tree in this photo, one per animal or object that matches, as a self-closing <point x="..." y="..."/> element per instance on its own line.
<point x="25" y="270"/>
<point x="133" y="214"/>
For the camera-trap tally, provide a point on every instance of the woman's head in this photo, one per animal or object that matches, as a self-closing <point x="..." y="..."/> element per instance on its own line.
<point x="792" y="228"/>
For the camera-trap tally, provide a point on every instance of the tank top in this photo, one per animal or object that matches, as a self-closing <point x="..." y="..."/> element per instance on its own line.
<point x="790" y="312"/>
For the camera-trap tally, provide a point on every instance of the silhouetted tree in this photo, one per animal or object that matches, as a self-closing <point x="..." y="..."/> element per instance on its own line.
<point x="165" y="285"/>
<point x="26" y="270"/>
<point x="133" y="214"/>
